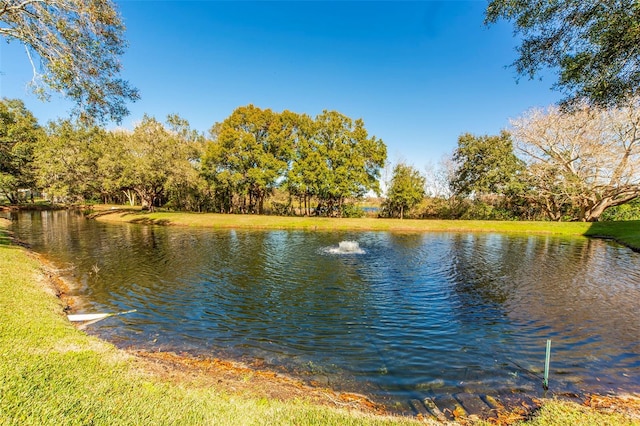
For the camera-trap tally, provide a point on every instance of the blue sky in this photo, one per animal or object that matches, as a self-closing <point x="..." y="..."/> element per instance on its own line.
<point x="418" y="73"/>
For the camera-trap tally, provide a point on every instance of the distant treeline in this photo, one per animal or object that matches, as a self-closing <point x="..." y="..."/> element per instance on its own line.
<point x="552" y="164"/>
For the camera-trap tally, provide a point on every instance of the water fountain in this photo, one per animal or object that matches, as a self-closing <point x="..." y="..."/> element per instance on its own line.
<point x="345" y="247"/>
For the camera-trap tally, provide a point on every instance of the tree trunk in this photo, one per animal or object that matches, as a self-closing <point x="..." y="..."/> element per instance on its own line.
<point x="131" y="197"/>
<point x="593" y="213"/>
<point x="11" y="197"/>
<point x="146" y="199"/>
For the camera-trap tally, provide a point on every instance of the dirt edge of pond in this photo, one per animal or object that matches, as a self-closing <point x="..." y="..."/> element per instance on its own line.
<point x="252" y="380"/>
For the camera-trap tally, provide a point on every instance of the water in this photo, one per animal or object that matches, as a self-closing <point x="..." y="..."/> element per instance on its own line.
<point x="395" y="316"/>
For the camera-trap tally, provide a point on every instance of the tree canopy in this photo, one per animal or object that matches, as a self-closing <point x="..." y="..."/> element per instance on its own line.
<point x="554" y="163"/>
<point x="595" y="45"/>
<point x="328" y="159"/>
<point x="19" y="133"/>
<point x="406" y="190"/>
<point x="484" y="165"/>
<point x="152" y="160"/>
<point x="78" y="44"/>
<point x="66" y="161"/>
<point x="250" y="152"/>
<point x="350" y="160"/>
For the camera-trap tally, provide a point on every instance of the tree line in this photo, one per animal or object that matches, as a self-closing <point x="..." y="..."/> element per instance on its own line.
<point x="578" y="162"/>
<point x="321" y="164"/>
<point x="551" y="164"/>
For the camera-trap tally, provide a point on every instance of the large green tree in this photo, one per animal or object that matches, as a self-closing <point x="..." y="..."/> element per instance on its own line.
<point x="307" y="165"/>
<point x="187" y="189"/>
<point x="594" y="45"/>
<point x="67" y="161"/>
<point x="19" y="133"/>
<point x="406" y="190"/>
<point x="350" y="161"/>
<point x="250" y="151"/>
<point x="329" y="160"/>
<point x="152" y="160"/>
<point x="74" y="47"/>
<point x="485" y="165"/>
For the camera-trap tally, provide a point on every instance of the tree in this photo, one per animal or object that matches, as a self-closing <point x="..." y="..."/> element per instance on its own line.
<point x="303" y="172"/>
<point x="406" y="190"/>
<point x="347" y="162"/>
<point x="595" y="45"/>
<point x="19" y="133"/>
<point x="582" y="162"/>
<point x="255" y="151"/>
<point x="77" y="43"/>
<point x="150" y="160"/>
<point x="66" y="161"/>
<point x="187" y="188"/>
<point x="249" y="154"/>
<point x="485" y="165"/>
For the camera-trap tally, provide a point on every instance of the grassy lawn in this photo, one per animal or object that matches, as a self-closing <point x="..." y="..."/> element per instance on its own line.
<point x="53" y="374"/>
<point x="627" y="233"/>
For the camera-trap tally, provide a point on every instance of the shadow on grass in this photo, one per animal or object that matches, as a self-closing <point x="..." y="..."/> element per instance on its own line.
<point x="140" y="217"/>
<point x="122" y="211"/>
<point x="624" y="232"/>
<point x="150" y="221"/>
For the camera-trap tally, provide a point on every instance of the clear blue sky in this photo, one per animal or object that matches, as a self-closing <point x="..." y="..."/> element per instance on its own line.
<point x="418" y="73"/>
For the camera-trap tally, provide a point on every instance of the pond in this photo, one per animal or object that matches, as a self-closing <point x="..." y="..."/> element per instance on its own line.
<point x="399" y="317"/>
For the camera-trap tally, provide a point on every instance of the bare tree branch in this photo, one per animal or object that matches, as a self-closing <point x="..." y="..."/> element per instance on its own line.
<point x="582" y="162"/>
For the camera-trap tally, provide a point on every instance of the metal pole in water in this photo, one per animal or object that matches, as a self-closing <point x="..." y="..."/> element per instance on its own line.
<point x="545" y="382"/>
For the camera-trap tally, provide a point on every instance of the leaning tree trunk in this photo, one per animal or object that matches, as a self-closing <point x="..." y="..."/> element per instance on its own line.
<point x="592" y="213"/>
<point x="131" y="197"/>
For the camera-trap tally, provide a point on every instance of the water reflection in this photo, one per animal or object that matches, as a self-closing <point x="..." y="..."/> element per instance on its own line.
<point x="408" y="316"/>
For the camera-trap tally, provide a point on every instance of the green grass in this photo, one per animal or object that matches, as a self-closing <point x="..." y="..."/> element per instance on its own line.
<point x="53" y="374"/>
<point x="627" y="232"/>
<point x="559" y="413"/>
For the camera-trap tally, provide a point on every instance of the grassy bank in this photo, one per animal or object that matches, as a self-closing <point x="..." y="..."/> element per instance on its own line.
<point x="627" y="233"/>
<point x="52" y="374"/>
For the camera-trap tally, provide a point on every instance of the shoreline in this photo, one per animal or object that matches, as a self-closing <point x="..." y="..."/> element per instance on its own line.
<point x="228" y="374"/>
<point x="241" y="377"/>
<point x="626" y="233"/>
<point x="243" y="380"/>
<point x="259" y="380"/>
<point x="231" y="373"/>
